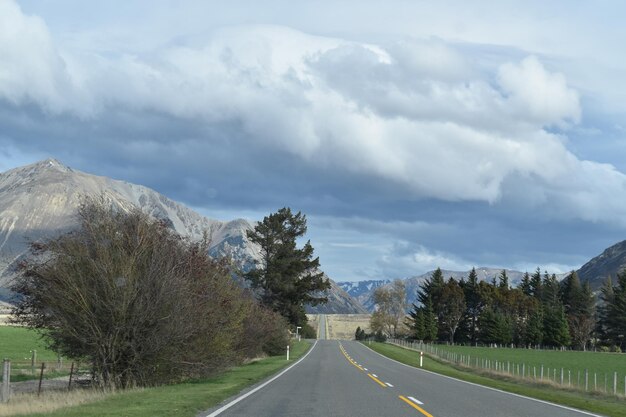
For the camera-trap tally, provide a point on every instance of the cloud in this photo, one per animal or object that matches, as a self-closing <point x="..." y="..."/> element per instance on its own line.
<point x="407" y="119"/>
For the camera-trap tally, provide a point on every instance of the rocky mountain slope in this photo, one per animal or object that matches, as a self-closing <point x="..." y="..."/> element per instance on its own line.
<point x="611" y="261"/>
<point x="40" y="200"/>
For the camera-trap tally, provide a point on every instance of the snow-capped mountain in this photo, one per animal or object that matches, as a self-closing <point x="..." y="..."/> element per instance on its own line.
<point x="40" y="201"/>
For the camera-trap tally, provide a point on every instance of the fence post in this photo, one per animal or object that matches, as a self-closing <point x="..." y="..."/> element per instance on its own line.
<point x="5" y="390"/>
<point x="69" y="385"/>
<point x="33" y="360"/>
<point x="561" y="376"/>
<point x="43" y="366"/>
<point x="586" y="380"/>
<point x="614" y="383"/>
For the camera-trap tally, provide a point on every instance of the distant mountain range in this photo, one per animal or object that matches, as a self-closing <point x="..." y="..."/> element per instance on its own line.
<point x="40" y="200"/>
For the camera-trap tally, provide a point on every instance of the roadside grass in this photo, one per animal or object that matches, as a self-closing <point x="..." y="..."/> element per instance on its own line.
<point x="177" y="400"/>
<point x="596" y="403"/>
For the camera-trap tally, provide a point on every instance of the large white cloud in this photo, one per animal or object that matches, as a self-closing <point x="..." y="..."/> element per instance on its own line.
<point x="420" y="115"/>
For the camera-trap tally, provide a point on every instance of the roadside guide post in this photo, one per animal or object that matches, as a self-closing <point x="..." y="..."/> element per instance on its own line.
<point x="5" y="389"/>
<point x="287" y="352"/>
<point x="421" y="359"/>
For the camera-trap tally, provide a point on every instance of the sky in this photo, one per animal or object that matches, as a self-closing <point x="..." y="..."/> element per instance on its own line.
<point x="413" y="134"/>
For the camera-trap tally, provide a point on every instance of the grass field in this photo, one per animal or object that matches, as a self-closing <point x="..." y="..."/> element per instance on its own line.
<point x="17" y="344"/>
<point x="597" y="403"/>
<point x="600" y="366"/>
<point x="179" y="400"/>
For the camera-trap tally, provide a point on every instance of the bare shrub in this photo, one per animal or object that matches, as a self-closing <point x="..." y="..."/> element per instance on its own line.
<point x="128" y="294"/>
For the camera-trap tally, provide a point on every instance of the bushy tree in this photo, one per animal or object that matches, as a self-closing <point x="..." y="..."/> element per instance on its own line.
<point x="141" y="304"/>
<point x="288" y="277"/>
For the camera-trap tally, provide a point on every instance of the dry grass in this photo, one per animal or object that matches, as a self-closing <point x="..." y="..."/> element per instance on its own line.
<point x="343" y="326"/>
<point x="21" y="404"/>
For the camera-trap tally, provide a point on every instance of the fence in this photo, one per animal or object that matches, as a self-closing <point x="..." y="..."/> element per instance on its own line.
<point x="585" y="380"/>
<point x="19" y="377"/>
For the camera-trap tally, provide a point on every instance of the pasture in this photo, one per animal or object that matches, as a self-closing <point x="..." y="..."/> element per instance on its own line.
<point x="599" y="367"/>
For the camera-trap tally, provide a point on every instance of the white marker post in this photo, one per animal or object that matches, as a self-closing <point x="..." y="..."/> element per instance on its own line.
<point x="421" y="359"/>
<point x="287" y="352"/>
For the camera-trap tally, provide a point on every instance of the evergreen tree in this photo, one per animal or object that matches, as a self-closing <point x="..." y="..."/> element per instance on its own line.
<point x="288" y="277"/>
<point x="503" y="280"/>
<point x="430" y="323"/>
<point x="533" y="334"/>
<point x="555" y="327"/>
<point x="550" y="290"/>
<point x="607" y="296"/>
<point x="580" y="309"/>
<point x="474" y="304"/>
<point x="525" y="284"/>
<point x="615" y="318"/>
<point x="535" y="284"/>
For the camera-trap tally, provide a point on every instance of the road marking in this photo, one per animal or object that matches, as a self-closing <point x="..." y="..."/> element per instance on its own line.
<point x="249" y="393"/>
<point x="489" y="388"/>
<point x="416" y="400"/>
<point x="377" y="380"/>
<point x="365" y="369"/>
<point x="388" y="384"/>
<point x="417" y="407"/>
<point x="375" y="375"/>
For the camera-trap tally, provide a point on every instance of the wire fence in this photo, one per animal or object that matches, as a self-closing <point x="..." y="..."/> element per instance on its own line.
<point x="583" y="380"/>
<point x="27" y="377"/>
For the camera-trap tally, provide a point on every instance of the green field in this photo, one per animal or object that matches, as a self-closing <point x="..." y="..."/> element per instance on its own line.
<point x="17" y="344"/>
<point x="597" y="403"/>
<point x="600" y="366"/>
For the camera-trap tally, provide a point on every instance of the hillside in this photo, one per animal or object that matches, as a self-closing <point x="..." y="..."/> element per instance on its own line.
<point x="40" y="200"/>
<point x="611" y="261"/>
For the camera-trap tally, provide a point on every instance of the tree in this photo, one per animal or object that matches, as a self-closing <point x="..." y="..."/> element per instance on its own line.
<point x="525" y="284"/>
<point x="288" y="277"/>
<point x="452" y="307"/>
<point x="474" y="303"/>
<point x="555" y="326"/>
<point x="580" y="310"/>
<point x="536" y="287"/>
<point x="503" y="280"/>
<point x="390" y="307"/>
<point x="141" y="304"/>
<point x="614" y="318"/>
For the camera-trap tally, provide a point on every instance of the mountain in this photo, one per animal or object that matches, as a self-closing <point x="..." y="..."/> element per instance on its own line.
<point x="413" y="283"/>
<point x="40" y="200"/>
<point x="339" y="302"/>
<point x="609" y="262"/>
<point x="362" y="290"/>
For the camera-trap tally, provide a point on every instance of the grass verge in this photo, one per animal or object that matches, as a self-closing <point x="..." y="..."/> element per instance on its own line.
<point x="178" y="400"/>
<point x="609" y="406"/>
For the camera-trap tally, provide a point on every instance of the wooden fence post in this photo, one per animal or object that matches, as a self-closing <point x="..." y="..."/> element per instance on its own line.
<point x="5" y="389"/>
<point x="43" y="366"/>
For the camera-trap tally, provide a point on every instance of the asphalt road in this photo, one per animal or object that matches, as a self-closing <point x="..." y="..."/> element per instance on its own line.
<point x="345" y="378"/>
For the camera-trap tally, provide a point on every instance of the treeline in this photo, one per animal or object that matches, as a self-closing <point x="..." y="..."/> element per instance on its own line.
<point x="540" y="311"/>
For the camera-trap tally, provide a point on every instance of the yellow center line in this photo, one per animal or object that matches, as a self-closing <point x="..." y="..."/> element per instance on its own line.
<point x="378" y="381"/>
<point x="417" y="407"/>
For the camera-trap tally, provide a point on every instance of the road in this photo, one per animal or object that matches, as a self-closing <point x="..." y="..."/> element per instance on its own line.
<point x="345" y="378"/>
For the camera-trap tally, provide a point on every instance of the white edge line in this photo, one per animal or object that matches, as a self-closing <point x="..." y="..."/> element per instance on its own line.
<point x="489" y="388"/>
<point x="247" y="394"/>
<point x="365" y="369"/>
<point x="388" y="384"/>
<point x="375" y="376"/>
<point x="415" y="400"/>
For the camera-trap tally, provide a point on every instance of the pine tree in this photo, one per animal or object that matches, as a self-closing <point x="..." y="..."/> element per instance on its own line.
<point x="525" y="284"/>
<point x="288" y="277"/>
<point x="607" y="296"/>
<point x="615" y="320"/>
<point x="533" y="334"/>
<point x="555" y="327"/>
<point x="503" y="280"/>
<point x="474" y="304"/>
<point x="535" y="284"/>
